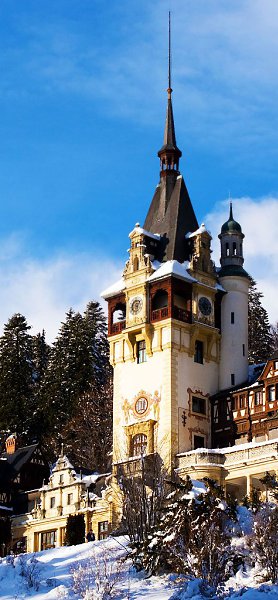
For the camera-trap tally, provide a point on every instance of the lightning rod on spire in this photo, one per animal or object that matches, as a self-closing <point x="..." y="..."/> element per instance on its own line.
<point x="169" y="55"/>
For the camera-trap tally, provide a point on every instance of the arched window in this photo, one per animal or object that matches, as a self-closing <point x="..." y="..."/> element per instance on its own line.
<point x="119" y="313"/>
<point x="139" y="444"/>
<point x="160" y="300"/>
<point x="136" y="264"/>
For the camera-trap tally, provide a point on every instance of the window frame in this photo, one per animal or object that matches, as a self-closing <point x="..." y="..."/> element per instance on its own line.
<point x="199" y="352"/>
<point x="141" y="352"/>
<point x="139" y="444"/>
<point x="200" y="399"/>
<point x="195" y="436"/>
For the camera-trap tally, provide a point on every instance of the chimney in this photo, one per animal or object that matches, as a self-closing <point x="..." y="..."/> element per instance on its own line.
<point x="11" y="443"/>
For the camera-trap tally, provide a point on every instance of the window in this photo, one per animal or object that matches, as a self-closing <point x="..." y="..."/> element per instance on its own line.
<point x="139" y="444"/>
<point x="70" y="498"/>
<point x="61" y="479"/>
<point x="271" y="393"/>
<point x="234" y="248"/>
<point x="258" y="398"/>
<point x="141" y="405"/>
<point x="52" y="501"/>
<point x="199" y="352"/>
<point x="243" y="349"/>
<point x="233" y="403"/>
<point x="232" y="317"/>
<point x="199" y="405"/>
<point x="48" y="539"/>
<point x="102" y="530"/>
<point x="199" y="441"/>
<point x="227" y="249"/>
<point x="241" y="402"/>
<point x="232" y="379"/>
<point x="276" y="365"/>
<point x="141" y="352"/>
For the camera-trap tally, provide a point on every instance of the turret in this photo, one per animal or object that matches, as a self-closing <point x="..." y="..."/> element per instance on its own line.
<point x="234" y="307"/>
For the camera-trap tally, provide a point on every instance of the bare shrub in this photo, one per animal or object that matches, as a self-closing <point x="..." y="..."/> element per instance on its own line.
<point x="96" y="577"/>
<point x="30" y="570"/>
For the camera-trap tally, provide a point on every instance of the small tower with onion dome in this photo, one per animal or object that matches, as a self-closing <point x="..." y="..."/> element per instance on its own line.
<point x="234" y="307"/>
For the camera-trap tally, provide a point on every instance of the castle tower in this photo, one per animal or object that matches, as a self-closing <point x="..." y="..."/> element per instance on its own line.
<point x="234" y="306"/>
<point x="163" y="324"/>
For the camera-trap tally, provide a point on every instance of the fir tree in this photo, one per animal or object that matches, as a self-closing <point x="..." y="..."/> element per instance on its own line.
<point x="16" y="378"/>
<point x="75" y="530"/>
<point x="274" y="336"/>
<point x="260" y="342"/>
<point x="77" y="386"/>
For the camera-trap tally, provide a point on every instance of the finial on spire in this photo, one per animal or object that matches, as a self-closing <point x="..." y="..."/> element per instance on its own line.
<point x="169" y="57"/>
<point x="231" y="212"/>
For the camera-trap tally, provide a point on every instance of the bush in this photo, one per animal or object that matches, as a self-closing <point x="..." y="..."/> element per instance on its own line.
<point x="75" y="530"/>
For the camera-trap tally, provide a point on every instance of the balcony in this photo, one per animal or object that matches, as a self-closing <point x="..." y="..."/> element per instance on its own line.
<point x="176" y="313"/>
<point x="181" y="314"/>
<point x="117" y="327"/>
<point x="160" y="313"/>
<point x="229" y="457"/>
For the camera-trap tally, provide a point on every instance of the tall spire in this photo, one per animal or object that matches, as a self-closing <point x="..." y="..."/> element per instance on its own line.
<point x="169" y="154"/>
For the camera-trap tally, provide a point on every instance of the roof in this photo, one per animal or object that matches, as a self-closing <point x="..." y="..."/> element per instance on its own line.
<point x="172" y="216"/>
<point x="20" y="456"/>
<point x="231" y="226"/>
<point x="172" y="267"/>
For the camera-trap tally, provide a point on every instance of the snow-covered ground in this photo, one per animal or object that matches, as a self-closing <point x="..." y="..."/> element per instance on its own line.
<point x="65" y="573"/>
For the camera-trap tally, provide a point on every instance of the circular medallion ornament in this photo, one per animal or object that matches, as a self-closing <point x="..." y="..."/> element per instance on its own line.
<point x="205" y="306"/>
<point x="141" y="405"/>
<point x="136" y="305"/>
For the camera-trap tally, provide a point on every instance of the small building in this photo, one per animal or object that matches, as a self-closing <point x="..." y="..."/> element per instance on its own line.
<point x="248" y="412"/>
<point x="67" y="492"/>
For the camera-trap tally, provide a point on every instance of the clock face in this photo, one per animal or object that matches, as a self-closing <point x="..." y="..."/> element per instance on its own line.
<point x="205" y="306"/>
<point x="136" y="305"/>
<point x="141" y="405"/>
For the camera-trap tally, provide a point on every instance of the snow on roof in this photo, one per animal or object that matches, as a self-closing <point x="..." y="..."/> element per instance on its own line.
<point x="117" y="287"/>
<point x="172" y="267"/>
<point x="140" y="230"/>
<point x="229" y="449"/>
<point x="202" y="229"/>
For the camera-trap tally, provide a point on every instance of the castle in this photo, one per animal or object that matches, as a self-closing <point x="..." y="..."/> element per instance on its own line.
<point x="178" y="333"/>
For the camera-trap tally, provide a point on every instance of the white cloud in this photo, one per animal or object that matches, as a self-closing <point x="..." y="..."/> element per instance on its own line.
<point x="43" y="290"/>
<point x="259" y="220"/>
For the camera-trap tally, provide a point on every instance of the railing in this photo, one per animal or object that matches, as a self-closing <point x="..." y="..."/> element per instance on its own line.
<point x="118" y="327"/>
<point x="177" y="313"/>
<point x="160" y="313"/>
<point x="181" y="314"/>
<point x="263" y="450"/>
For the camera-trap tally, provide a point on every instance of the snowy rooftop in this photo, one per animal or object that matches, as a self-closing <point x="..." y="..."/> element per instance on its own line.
<point x="202" y="229"/>
<point x="172" y="267"/>
<point x="116" y="288"/>
<point x="141" y="231"/>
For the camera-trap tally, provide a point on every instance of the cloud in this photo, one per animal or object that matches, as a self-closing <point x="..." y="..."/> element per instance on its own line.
<point x="43" y="290"/>
<point x="259" y="220"/>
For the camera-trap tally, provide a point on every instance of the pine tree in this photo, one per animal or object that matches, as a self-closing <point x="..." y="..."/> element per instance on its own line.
<point x="260" y="342"/>
<point x="77" y="386"/>
<point x="274" y="336"/>
<point x="16" y="378"/>
<point x="75" y="530"/>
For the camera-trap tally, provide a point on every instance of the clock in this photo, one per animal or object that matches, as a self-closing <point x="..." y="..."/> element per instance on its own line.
<point x="136" y="305"/>
<point x="141" y="405"/>
<point x="205" y="306"/>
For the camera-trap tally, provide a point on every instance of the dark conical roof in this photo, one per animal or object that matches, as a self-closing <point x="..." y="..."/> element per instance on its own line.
<point x="171" y="215"/>
<point x="169" y="141"/>
<point x="231" y="226"/>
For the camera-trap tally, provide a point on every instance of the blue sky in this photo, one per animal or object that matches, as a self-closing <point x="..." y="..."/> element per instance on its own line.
<point x="83" y="101"/>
